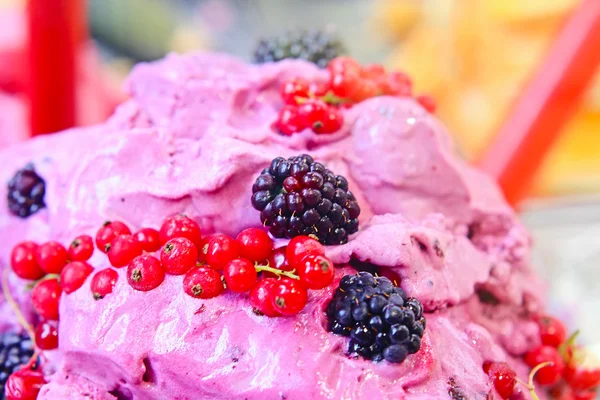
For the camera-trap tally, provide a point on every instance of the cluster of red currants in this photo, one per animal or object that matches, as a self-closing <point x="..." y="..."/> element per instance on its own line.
<point x="317" y="105"/>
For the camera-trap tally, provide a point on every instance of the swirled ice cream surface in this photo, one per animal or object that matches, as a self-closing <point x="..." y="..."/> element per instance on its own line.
<point x="192" y="138"/>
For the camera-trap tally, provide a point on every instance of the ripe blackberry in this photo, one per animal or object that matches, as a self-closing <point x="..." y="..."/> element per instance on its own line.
<point x="299" y="196"/>
<point x="26" y="191"/>
<point x="382" y="322"/>
<point x="15" y="350"/>
<point x="317" y="47"/>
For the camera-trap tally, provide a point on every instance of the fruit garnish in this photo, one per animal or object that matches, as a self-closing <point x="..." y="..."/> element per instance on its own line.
<point x="583" y="370"/>
<point x="203" y="283"/>
<point x="45" y="297"/>
<point x="219" y="250"/>
<point x="122" y="250"/>
<point x="552" y="372"/>
<point x="74" y="275"/>
<point x="240" y="275"/>
<point x="24" y="263"/>
<point x="503" y="377"/>
<point x="260" y="297"/>
<point x="25" y="192"/>
<point x="254" y="244"/>
<point x="288" y="296"/>
<point x="552" y="330"/>
<point x="46" y="335"/>
<point x="180" y="226"/>
<point x="178" y="256"/>
<point x="81" y="248"/>
<point x="103" y="283"/>
<point x="24" y="384"/>
<point x="109" y="231"/>
<point x="51" y="257"/>
<point x="145" y="273"/>
<point x="149" y="239"/>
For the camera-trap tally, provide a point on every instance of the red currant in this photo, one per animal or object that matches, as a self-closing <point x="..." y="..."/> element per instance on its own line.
<point x="397" y="84"/>
<point x="103" y="283"/>
<point x="503" y="377"/>
<point x="145" y="273"/>
<point x="374" y="71"/>
<point x="427" y="102"/>
<point x="240" y="275"/>
<point x="24" y="263"/>
<point x="203" y="283"/>
<point x="278" y="260"/>
<point x="318" y="89"/>
<point x="109" y="231"/>
<point x="74" y="275"/>
<point x="220" y="250"/>
<point x="333" y="122"/>
<point x="552" y="331"/>
<point x="344" y="64"/>
<point x="180" y="226"/>
<point x="45" y="297"/>
<point x="293" y="88"/>
<point x="24" y="384"/>
<point x="260" y="297"/>
<point x="122" y="250"/>
<point x="203" y="249"/>
<point x="550" y="374"/>
<point x="178" y="256"/>
<point x="52" y="257"/>
<point x="46" y="335"/>
<point x="149" y="239"/>
<point x="316" y="271"/>
<point x="315" y="113"/>
<point x="291" y="184"/>
<point x="581" y="378"/>
<point x="301" y="246"/>
<point x="365" y="89"/>
<point x="289" y="120"/>
<point x="254" y="244"/>
<point x="81" y="248"/>
<point x="288" y="296"/>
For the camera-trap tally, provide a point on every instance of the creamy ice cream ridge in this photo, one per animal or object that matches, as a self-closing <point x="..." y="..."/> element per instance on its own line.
<point x="194" y="136"/>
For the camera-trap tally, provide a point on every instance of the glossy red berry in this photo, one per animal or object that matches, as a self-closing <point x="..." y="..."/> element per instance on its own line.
<point x="240" y="275"/>
<point x="180" y="226"/>
<point x="548" y="375"/>
<point x="332" y="122"/>
<point x="301" y="246"/>
<point x="74" y="275"/>
<point x="278" y="260"/>
<point x="289" y="296"/>
<point x="203" y="249"/>
<point x="149" y="239"/>
<point x="552" y="331"/>
<point x="103" y="283"/>
<point x="220" y="250"/>
<point x="51" y="257"/>
<point x="24" y="384"/>
<point x="178" y="256"/>
<point x="145" y="273"/>
<point x="254" y="244"/>
<point x="503" y="377"/>
<point x="81" y="248"/>
<point x="260" y="297"/>
<point x="122" y="249"/>
<point x="203" y="283"/>
<point x="344" y="84"/>
<point x="374" y="71"/>
<point x="427" y="102"/>
<point x="24" y="262"/>
<point x="316" y="271"/>
<point x="45" y="297"/>
<point x="397" y="84"/>
<point x="318" y="89"/>
<point x="289" y="120"/>
<point x="314" y="112"/>
<point x="46" y="335"/>
<point x="294" y="88"/>
<point x="582" y="378"/>
<point x="109" y="231"/>
<point x="344" y="65"/>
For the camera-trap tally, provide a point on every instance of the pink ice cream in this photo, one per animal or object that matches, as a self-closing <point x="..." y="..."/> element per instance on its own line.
<point x="193" y="137"/>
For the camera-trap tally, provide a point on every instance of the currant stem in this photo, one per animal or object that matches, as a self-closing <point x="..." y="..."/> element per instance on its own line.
<point x="15" y="307"/>
<point x="529" y="384"/>
<point x="278" y="272"/>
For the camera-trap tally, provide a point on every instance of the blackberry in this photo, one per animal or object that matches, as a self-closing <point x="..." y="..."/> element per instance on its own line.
<point x="15" y="350"/>
<point x="26" y="190"/>
<point x="299" y="196"/>
<point x="383" y="323"/>
<point x="317" y="47"/>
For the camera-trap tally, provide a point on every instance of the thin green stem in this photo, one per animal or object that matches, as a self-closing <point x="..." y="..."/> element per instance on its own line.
<point x="278" y="272"/>
<point x="15" y="307"/>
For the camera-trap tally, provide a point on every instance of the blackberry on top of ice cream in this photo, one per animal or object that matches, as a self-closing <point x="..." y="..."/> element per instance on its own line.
<point x="26" y="191"/>
<point x="380" y="319"/>
<point x="315" y="46"/>
<point x="299" y="196"/>
<point x="15" y="350"/>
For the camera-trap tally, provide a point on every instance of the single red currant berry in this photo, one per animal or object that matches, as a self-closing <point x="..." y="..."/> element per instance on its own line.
<point x="344" y="64"/>
<point x="180" y="226"/>
<point x="289" y="120"/>
<point x="332" y="122"/>
<point x="52" y="257"/>
<point x="74" y="275"/>
<point x="373" y="71"/>
<point x="103" y="283"/>
<point x="203" y="283"/>
<point x="149" y="239"/>
<point x="278" y="260"/>
<point x="45" y="297"/>
<point x="397" y="84"/>
<point x="301" y="246"/>
<point x="254" y="244"/>
<point x="81" y="248"/>
<point x="550" y="374"/>
<point x="318" y="89"/>
<point x="365" y="89"/>
<point x="46" y="335"/>
<point x="145" y="273"/>
<point x="427" y="102"/>
<point x="552" y="331"/>
<point x="314" y="112"/>
<point x="344" y="84"/>
<point x="316" y="271"/>
<point x="178" y="256"/>
<point x="288" y="296"/>
<point x="24" y="263"/>
<point x="294" y="88"/>
<point x="122" y="250"/>
<point x="291" y="184"/>
<point x="24" y="384"/>
<point x="203" y="249"/>
<point x="109" y="231"/>
<point x="220" y="250"/>
<point x="503" y="377"/>
<point x="260" y="298"/>
<point x="240" y="275"/>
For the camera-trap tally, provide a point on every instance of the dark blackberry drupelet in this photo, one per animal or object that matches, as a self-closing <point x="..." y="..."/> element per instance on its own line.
<point x="317" y="47"/>
<point x="299" y="196"/>
<point x="15" y="350"/>
<point x="381" y="321"/>
<point x="26" y="191"/>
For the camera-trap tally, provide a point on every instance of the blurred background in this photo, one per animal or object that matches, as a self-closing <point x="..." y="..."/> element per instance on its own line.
<point x="473" y="56"/>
